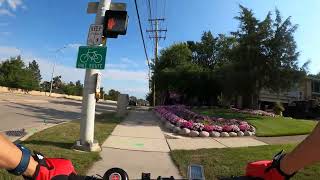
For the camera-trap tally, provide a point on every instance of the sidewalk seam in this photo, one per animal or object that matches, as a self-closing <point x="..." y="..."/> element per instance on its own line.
<point x="225" y="146"/>
<point x="133" y="150"/>
<point x="135" y="137"/>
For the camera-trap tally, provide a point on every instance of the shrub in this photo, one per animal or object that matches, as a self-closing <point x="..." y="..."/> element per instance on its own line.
<point x="278" y="108"/>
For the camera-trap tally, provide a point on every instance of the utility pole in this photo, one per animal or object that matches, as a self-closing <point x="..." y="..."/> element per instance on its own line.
<point x="87" y="142"/>
<point x="156" y="37"/>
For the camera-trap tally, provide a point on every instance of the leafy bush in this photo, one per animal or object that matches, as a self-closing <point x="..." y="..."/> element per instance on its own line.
<point x="278" y="108"/>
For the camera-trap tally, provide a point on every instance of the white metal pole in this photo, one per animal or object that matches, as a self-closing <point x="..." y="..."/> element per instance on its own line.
<point x="51" y="83"/>
<point x="89" y="101"/>
<point x="54" y="66"/>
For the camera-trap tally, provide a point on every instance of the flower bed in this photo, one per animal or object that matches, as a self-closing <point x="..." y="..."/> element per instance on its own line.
<point x="186" y="122"/>
<point x="253" y="112"/>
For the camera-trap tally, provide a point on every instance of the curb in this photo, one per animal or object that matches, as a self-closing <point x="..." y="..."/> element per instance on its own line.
<point x="31" y="131"/>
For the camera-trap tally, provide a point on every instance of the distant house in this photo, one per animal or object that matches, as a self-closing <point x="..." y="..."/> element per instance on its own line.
<point x="307" y="92"/>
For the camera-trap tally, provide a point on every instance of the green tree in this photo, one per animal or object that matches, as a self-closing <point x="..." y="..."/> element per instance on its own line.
<point x="102" y="92"/>
<point x="11" y="72"/>
<point x="14" y="74"/>
<point x="57" y="82"/>
<point x="113" y="95"/>
<point x="45" y="86"/>
<point x="204" y="53"/>
<point x="69" y="88"/>
<point x="79" y="88"/>
<point x="265" y="55"/>
<point x="35" y="71"/>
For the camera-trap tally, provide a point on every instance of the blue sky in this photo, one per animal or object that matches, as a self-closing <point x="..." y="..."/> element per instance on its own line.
<point x="36" y="29"/>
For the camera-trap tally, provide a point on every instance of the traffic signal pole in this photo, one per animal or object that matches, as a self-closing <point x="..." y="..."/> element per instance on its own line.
<point x="87" y="142"/>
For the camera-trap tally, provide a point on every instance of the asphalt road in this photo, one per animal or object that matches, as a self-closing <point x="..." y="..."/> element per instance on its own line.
<point x="23" y="111"/>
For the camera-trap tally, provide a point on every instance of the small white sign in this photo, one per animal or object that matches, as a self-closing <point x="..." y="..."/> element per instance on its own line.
<point x="95" y="35"/>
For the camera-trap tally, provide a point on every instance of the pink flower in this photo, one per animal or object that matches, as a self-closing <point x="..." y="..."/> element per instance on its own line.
<point x="227" y="128"/>
<point x="244" y="127"/>
<point x="218" y="128"/>
<point x="187" y="124"/>
<point x="231" y="128"/>
<point x="197" y="126"/>
<point x="208" y="128"/>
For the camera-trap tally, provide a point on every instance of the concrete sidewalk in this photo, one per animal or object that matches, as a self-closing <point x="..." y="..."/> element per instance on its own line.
<point x="137" y="145"/>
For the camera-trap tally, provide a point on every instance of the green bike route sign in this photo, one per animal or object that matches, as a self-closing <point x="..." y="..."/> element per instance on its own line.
<point x="91" y="57"/>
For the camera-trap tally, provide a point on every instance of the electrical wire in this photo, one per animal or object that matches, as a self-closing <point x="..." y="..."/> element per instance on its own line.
<point x="142" y="37"/>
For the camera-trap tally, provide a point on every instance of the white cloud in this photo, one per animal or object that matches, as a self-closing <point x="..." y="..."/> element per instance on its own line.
<point x="6" y="12"/>
<point x="6" y="52"/>
<point x="118" y="74"/>
<point x="117" y="66"/>
<point x="129" y="62"/>
<point x="7" y="6"/>
<point x="125" y="63"/>
<point x="74" y="45"/>
<point x="14" y="4"/>
<point x="139" y="90"/>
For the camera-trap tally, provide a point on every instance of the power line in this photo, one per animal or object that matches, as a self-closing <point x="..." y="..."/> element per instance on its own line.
<point x="149" y="5"/>
<point x="142" y="37"/>
<point x="141" y="32"/>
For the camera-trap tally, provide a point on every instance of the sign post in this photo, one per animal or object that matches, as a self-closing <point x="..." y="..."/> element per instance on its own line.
<point x="95" y="56"/>
<point x="92" y="58"/>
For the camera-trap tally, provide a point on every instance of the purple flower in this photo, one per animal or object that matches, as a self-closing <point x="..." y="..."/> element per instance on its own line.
<point x="183" y="117"/>
<point x="217" y="128"/>
<point x="227" y="128"/>
<point x="187" y="124"/>
<point x="197" y="126"/>
<point x="180" y="122"/>
<point x="208" y="128"/>
<point x="231" y="128"/>
<point x="244" y="127"/>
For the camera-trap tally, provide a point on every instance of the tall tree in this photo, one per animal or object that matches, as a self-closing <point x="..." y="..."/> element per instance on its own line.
<point x="11" y="72"/>
<point x="57" y="82"/>
<point x="35" y="70"/>
<point x="204" y="53"/>
<point x="265" y="56"/>
<point x="45" y="86"/>
<point x="113" y="95"/>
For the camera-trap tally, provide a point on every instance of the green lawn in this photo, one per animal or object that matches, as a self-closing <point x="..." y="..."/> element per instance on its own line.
<point x="267" y="126"/>
<point x="57" y="142"/>
<point x="225" y="163"/>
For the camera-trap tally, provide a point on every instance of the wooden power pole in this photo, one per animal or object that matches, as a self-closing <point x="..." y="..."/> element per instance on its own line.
<point x="154" y="34"/>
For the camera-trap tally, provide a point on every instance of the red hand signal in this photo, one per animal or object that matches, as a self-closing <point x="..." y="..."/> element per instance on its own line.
<point x="111" y="23"/>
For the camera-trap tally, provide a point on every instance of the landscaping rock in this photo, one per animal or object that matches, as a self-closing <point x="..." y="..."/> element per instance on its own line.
<point x="224" y="134"/>
<point x="248" y="133"/>
<point x="204" y="134"/>
<point x="194" y="134"/>
<point x="184" y="131"/>
<point x="240" y="134"/>
<point x="215" y="134"/>
<point x="169" y="126"/>
<point x="176" y="129"/>
<point x="233" y="134"/>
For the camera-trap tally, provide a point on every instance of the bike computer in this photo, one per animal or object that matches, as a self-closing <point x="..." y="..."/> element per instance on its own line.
<point x="195" y="172"/>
